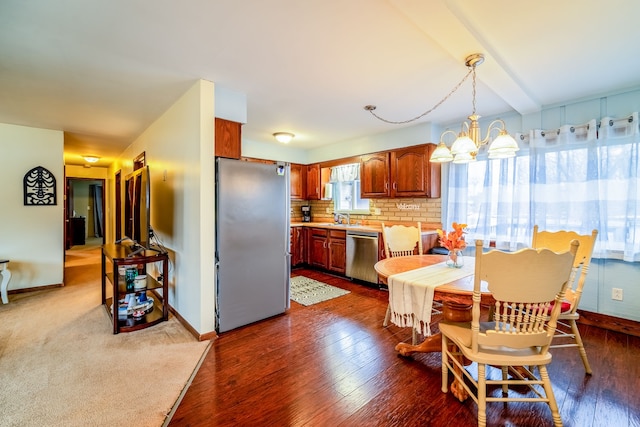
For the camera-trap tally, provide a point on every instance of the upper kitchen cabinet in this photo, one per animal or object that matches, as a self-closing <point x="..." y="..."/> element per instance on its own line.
<point x="297" y="177"/>
<point x="374" y="176"/>
<point x="433" y="174"/>
<point x="316" y="179"/>
<point x="312" y="178"/>
<point x="411" y="174"/>
<point x="227" y="138"/>
<point x="404" y="172"/>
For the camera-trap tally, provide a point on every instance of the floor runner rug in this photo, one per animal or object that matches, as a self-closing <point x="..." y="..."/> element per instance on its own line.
<point x="309" y="291"/>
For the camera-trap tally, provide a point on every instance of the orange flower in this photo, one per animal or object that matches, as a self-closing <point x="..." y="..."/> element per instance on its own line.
<point x="453" y="240"/>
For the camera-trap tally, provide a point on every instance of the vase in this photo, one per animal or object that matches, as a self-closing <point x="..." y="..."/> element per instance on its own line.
<point x="455" y="260"/>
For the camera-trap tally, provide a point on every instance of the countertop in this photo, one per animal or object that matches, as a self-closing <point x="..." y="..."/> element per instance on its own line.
<point x="364" y="227"/>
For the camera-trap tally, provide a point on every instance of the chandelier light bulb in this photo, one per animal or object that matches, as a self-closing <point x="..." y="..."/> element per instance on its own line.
<point x="467" y="144"/>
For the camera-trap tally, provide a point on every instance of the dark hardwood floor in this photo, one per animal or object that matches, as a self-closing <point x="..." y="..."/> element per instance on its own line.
<point x="333" y="364"/>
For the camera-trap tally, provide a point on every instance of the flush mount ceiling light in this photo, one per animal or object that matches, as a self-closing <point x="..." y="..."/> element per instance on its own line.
<point x="91" y="159"/>
<point x="284" y="137"/>
<point x="468" y="141"/>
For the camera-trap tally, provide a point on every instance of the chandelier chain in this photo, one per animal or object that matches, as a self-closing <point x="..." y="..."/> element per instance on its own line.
<point x="472" y="69"/>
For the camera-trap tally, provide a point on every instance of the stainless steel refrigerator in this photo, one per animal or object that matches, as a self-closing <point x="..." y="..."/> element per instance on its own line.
<point x="252" y="242"/>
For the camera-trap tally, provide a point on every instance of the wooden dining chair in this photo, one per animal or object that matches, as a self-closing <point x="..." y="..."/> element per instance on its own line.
<point x="526" y="285"/>
<point x="402" y="240"/>
<point x="567" y="333"/>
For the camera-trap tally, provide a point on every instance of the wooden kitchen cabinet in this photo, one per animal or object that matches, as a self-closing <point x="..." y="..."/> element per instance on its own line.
<point x="317" y="247"/>
<point x="228" y="139"/>
<point x="312" y="182"/>
<point x="297" y="246"/>
<point x="434" y="174"/>
<point x="374" y="176"/>
<point x="410" y="172"/>
<point x="404" y="172"/>
<point x="337" y="256"/>
<point x="327" y="249"/>
<point x="297" y="177"/>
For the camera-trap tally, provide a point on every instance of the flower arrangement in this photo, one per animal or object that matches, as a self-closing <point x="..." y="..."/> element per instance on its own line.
<point x="453" y="240"/>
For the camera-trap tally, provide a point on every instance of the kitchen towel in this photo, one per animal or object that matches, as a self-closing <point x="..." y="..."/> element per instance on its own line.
<point x="411" y="292"/>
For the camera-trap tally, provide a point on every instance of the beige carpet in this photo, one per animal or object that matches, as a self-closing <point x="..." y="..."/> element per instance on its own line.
<point x="61" y="365"/>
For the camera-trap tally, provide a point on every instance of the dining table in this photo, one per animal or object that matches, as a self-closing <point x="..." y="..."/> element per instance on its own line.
<point x="455" y="295"/>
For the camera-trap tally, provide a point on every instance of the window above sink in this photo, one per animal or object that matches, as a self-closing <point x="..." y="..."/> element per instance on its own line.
<point x="345" y="182"/>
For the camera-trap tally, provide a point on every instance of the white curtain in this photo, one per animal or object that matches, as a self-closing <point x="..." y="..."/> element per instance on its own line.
<point x="578" y="178"/>
<point x="350" y="172"/>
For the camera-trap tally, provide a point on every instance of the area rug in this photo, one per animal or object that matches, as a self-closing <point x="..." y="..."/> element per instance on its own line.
<point x="308" y="291"/>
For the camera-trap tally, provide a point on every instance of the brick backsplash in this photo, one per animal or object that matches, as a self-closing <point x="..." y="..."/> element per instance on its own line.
<point x="391" y="210"/>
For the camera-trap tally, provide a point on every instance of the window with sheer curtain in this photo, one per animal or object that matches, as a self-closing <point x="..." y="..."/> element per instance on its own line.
<point x="576" y="178"/>
<point x="345" y="180"/>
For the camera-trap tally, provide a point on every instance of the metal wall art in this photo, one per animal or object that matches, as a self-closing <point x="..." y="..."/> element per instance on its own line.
<point x="39" y="187"/>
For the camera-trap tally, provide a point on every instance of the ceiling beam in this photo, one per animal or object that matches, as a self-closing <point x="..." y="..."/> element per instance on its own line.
<point x="439" y="19"/>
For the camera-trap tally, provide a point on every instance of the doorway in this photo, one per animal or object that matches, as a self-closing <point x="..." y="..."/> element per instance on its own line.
<point x="84" y="219"/>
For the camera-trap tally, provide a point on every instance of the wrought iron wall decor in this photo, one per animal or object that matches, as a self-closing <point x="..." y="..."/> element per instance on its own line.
<point x="39" y="187"/>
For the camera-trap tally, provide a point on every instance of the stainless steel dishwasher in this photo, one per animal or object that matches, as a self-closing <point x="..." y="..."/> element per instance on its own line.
<point x="362" y="254"/>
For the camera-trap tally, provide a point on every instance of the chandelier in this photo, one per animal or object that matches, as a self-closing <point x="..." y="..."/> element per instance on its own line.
<point x="469" y="139"/>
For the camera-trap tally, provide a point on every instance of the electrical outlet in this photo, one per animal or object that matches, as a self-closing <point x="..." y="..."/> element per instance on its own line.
<point x="616" y="294"/>
<point x="328" y="210"/>
<point x="377" y="211"/>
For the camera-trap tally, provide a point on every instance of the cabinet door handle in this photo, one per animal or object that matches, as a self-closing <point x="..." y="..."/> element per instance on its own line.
<point x="395" y="185"/>
<point x="386" y="185"/>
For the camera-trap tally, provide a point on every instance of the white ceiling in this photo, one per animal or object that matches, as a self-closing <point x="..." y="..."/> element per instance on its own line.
<point x="103" y="71"/>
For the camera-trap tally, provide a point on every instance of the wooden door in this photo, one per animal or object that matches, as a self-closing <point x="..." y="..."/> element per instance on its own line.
<point x="118" y="204"/>
<point x="374" y="176"/>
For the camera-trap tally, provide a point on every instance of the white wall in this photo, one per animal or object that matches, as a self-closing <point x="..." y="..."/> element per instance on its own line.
<point x="178" y="148"/>
<point x="31" y="237"/>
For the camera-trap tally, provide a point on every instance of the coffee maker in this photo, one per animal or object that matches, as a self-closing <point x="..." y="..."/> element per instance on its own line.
<point x="306" y="213"/>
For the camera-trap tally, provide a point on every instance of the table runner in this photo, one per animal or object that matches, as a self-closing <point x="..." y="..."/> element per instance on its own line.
<point x="411" y="292"/>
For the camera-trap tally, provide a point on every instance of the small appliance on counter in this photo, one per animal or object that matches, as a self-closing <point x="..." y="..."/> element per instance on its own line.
<point x="306" y="213"/>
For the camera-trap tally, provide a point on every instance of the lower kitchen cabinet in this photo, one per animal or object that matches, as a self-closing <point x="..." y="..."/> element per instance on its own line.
<point x="327" y="249"/>
<point x="297" y="246"/>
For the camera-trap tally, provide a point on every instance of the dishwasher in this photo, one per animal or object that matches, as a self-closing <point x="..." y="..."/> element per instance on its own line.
<point x="362" y="254"/>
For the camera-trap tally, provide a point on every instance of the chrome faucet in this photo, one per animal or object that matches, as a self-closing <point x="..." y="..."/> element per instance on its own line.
<point x="339" y="217"/>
